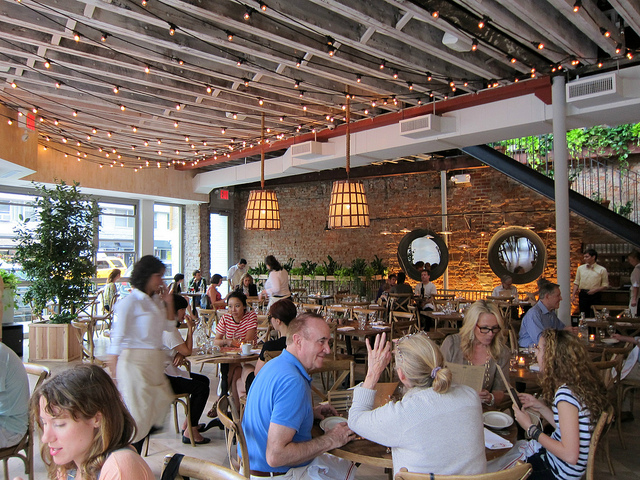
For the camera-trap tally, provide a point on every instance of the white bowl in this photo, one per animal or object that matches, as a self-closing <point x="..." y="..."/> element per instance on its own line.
<point x="331" y="422"/>
<point x="497" y="420"/>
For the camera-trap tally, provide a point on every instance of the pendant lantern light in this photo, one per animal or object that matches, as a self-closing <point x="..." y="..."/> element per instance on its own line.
<point x="348" y="207"/>
<point x="263" y="212"/>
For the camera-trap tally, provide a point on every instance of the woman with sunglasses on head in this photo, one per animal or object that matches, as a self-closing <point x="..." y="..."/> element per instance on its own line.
<point x="572" y="387"/>
<point x="85" y="428"/>
<point x="480" y="342"/>
<point x="436" y="427"/>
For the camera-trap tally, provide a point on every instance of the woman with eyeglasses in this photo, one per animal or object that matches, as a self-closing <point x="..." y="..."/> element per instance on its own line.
<point x="480" y="342"/>
<point x="573" y="397"/>
<point x="436" y="427"/>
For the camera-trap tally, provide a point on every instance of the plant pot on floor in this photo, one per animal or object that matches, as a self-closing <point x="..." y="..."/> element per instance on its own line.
<point x="53" y="343"/>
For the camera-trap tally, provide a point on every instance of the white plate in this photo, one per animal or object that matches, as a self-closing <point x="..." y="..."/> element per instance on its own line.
<point x="330" y="422"/>
<point x="609" y="341"/>
<point x="497" y="420"/>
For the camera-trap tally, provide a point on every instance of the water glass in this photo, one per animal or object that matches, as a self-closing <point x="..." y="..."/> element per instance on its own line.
<point x="362" y="320"/>
<point x="611" y="329"/>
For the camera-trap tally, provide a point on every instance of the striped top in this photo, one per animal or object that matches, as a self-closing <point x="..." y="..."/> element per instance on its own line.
<point x="230" y="329"/>
<point x="560" y="468"/>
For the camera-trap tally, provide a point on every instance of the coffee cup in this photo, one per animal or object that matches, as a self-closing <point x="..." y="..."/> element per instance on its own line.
<point x="246" y="348"/>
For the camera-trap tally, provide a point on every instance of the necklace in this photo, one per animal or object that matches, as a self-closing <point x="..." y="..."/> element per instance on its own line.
<point x="486" y="380"/>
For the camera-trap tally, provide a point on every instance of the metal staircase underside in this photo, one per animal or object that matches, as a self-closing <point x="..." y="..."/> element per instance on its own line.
<point x="583" y="206"/>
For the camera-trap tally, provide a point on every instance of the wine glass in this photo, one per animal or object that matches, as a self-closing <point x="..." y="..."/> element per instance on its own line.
<point x="513" y="361"/>
<point x="611" y="329"/>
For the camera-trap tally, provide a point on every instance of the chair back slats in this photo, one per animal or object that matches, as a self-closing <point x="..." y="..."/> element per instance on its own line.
<point x="519" y="472"/>
<point x="198" y="469"/>
<point x="605" y="419"/>
<point x="234" y="435"/>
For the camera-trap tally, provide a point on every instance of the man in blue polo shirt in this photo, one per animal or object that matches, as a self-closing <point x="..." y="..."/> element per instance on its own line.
<point x="14" y="398"/>
<point x="542" y="315"/>
<point x="279" y="413"/>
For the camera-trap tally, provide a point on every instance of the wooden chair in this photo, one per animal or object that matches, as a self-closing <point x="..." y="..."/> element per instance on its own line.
<point x="337" y="312"/>
<point x="341" y="400"/>
<point x="184" y="400"/>
<point x="86" y="327"/>
<point x="311" y="307"/>
<point x="399" y="302"/>
<point x="604" y="421"/>
<point x="519" y="472"/>
<point x="234" y="436"/>
<point x="198" y="469"/>
<point x="339" y="369"/>
<point x="264" y="329"/>
<point x="609" y="371"/>
<point x="26" y="443"/>
<point x="613" y="310"/>
<point x="298" y="295"/>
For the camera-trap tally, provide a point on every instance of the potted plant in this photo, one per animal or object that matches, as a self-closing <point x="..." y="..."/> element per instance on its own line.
<point x="10" y="281"/>
<point x="57" y="252"/>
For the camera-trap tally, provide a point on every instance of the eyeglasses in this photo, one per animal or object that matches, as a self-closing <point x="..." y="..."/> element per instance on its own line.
<point x="494" y="330"/>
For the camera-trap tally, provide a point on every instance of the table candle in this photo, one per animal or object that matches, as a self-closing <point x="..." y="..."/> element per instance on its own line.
<point x="521" y="362"/>
<point x="592" y="337"/>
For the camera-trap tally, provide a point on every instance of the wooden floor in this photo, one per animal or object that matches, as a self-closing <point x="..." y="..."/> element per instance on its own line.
<point x="626" y="462"/>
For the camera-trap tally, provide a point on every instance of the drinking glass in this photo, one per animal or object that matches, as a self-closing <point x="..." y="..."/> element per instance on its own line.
<point x="513" y="362"/>
<point x="611" y="329"/>
<point x="601" y="333"/>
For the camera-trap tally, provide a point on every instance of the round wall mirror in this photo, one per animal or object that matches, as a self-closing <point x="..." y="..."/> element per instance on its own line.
<point x="518" y="252"/>
<point x="424" y="246"/>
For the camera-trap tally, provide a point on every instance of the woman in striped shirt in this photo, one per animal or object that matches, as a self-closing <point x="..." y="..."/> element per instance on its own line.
<point x="236" y="327"/>
<point x="571" y="385"/>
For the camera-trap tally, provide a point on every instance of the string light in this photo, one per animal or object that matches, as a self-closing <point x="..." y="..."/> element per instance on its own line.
<point x="296" y="84"/>
<point x="577" y="6"/>
<point x="263" y="6"/>
<point x="172" y="29"/>
<point x="435" y="14"/>
<point x="123" y="108"/>
<point x="395" y="74"/>
<point x="58" y="84"/>
<point x="14" y="85"/>
<point x="618" y="48"/>
<point x="331" y="50"/>
<point x="229" y="36"/>
<point x="247" y="13"/>
<point x="104" y="37"/>
<point x="246" y="82"/>
<point x="260" y="101"/>
<point x="474" y="45"/>
<point x="606" y="33"/>
<point x="47" y="63"/>
<point x="116" y="89"/>
<point x="76" y="36"/>
<point x="429" y="77"/>
<point x="410" y="85"/>
<point x="483" y="22"/>
<point x="134" y="129"/>
<point x="540" y="46"/>
<point x="382" y="64"/>
<point x="209" y="90"/>
<point x="359" y="78"/>
<point x="147" y="69"/>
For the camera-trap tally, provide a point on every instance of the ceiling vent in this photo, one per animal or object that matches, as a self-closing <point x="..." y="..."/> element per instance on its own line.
<point x="426" y="126"/>
<point x="311" y="150"/>
<point x="595" y="90"/>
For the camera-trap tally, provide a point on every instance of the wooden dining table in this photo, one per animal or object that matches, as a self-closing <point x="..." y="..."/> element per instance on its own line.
<point x="368" y="331"/>
<point x="226" y="355"/>
<point x="444" y="317"/>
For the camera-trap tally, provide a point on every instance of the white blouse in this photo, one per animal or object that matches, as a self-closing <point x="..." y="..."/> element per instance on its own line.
<point x="278" y="283"/>
<point x="139" y="321"/>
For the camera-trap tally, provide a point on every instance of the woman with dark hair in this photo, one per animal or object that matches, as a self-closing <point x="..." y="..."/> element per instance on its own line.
<point x="176" y="285"/>
<point x="85" y="427"/>
<point x="110" y="289"/>
<point x="215" y="298"/>
<point x="574" y="390"/>
<point x="280" y="315"/>
<point x="182" y="381"/>
<point x="137" y="355"/>
<point x="277" y="285"/>
<point x="236" y="327"/>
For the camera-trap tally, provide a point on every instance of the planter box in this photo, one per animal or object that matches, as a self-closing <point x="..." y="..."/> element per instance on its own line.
<point x="53" y="342"/>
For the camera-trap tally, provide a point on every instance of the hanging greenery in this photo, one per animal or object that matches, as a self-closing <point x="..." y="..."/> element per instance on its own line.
<point x="57" y="249"/>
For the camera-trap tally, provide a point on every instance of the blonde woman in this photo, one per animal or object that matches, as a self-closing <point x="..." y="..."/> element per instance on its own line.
<point x="436" y="427"/>
<point x="480" y="342"/>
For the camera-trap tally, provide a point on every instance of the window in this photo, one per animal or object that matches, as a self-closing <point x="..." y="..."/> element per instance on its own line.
<point x="167" y="237"/>
<point x="116" y="238"/>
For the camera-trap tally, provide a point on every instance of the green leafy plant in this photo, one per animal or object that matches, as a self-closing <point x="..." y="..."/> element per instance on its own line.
<point x="57" y="251"/>
<point x="321" y="271"/>
<point x="308" y="267"/>
<point x="10" y="281"/>
<point x="358" y="266"/>
<point x="624" y="210"/>
<point x="61" y="318"/>
<point x="289" y="264"/>
<point x="331" y="265"/>
<point x="297" y="271"/>
<point x="344" y="275"/>
<point x="378" y="266"/>
<point x="260" y="269"/>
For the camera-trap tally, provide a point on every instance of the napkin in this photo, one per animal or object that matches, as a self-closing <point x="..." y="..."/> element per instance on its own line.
<point x="493" y="441"/>
<point x="345" y="329"/>
<point x="534" y="367"/>
<point x="437" y="313"/>
<point x="379" y="327"/>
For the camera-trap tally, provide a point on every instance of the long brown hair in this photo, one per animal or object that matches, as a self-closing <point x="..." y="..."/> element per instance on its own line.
<point x="566" y="361"/>
<point x="83" y="392"/>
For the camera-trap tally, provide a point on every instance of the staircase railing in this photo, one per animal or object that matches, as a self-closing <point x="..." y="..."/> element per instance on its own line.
<point x="591" y="173"/>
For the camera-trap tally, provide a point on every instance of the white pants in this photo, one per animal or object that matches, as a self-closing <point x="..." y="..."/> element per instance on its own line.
<point x="324" y="467"/>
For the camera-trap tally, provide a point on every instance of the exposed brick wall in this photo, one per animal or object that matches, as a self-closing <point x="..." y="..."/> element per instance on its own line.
<point x="196" y="243"/>
<point x="412" y="201"/>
